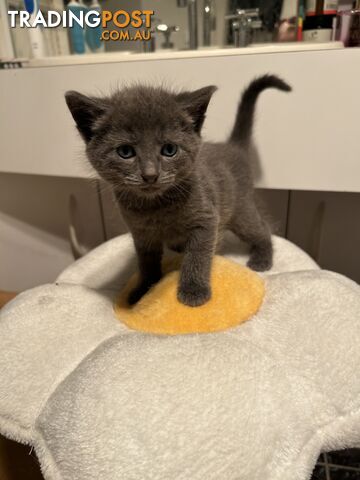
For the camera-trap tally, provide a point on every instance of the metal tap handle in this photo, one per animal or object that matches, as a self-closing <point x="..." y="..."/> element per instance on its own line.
<point x="167" y="30"/>
<point x="241" y="13"/>
<point x="243" y="23"/>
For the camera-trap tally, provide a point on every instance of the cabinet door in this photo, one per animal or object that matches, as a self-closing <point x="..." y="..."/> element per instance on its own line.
<point x="36" y="215"/>
<point x="113" y="223"/>
<point x="327" y="226"/>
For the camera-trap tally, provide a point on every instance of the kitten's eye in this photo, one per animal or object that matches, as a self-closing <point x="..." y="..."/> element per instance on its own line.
<point x="126" y="151"/>
<point x="169" y="149"/>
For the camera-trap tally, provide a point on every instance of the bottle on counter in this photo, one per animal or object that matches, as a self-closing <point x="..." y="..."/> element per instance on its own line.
<point x="348" y="26"/>
<point x="93" y="34"/>
<point x="76" y="32"/>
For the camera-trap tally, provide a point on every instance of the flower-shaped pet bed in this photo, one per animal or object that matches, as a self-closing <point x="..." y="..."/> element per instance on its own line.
<point x="260" y="400"/>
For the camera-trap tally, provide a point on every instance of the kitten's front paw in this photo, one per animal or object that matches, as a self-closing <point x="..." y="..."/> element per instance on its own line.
<point x="259" y="263"/>
<point x="261" y="257"/>
<point x="194" y="295"/>
<point x="137" y="293"/>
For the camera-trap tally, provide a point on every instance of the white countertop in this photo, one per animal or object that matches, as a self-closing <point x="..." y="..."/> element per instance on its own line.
<point x="111" y="57"/>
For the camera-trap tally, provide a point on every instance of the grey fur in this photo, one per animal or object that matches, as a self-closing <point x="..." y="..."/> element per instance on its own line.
<point x="186" y="201"/>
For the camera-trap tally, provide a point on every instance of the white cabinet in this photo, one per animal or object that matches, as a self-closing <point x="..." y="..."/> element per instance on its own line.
<point x="308" y="139"/>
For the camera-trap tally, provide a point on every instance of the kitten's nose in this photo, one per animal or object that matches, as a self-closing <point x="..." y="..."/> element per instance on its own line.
<point x="150" y="177"/>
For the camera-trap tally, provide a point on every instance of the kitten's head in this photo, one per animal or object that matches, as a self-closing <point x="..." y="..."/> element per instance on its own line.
<point x="142" y="138"/>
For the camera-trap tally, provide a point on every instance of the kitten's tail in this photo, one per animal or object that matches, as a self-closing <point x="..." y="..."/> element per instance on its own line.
<point x="243" y="126"/>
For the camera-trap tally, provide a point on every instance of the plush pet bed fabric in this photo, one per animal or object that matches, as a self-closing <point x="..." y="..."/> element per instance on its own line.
<point x="259" y="401"/>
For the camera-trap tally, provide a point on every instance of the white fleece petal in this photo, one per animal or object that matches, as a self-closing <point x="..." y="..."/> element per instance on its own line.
<point x="44" y="334"/>
<point x="251" y="402"/>
<point x="260" y="401"/>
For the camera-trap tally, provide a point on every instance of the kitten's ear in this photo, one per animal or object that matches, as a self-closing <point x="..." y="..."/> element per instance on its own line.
<point x="85" y="111"/>
<point x="196" y="103"/>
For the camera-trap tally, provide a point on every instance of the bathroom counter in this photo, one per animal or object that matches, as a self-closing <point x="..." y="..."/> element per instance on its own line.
<point x="307" y="140"/>
<point x="130" y="56"/>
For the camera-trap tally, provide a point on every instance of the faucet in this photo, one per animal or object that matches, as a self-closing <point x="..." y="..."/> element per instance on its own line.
<point x="244" y="22"/>
<point x="167" y="30"/>
<point x="209" y="21"/>
<point x="192" y="21"/>
<point x="157" y="28"/>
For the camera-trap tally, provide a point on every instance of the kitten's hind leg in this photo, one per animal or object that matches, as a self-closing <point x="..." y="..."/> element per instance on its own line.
<point x="248" y="225"/>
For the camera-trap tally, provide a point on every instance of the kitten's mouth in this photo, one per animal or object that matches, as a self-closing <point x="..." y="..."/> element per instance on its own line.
<point x="155" y="187"/>
<point x="151" y="189"/>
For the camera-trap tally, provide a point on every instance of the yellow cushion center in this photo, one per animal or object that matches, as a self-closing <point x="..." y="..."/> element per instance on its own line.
<point x="237" y="294"/>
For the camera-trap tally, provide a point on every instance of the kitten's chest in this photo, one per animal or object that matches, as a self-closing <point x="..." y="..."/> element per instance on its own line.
<point x="167" y="227"/>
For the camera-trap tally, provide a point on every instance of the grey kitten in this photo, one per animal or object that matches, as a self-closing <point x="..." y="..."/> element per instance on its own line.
<point x="172" y="188"/>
